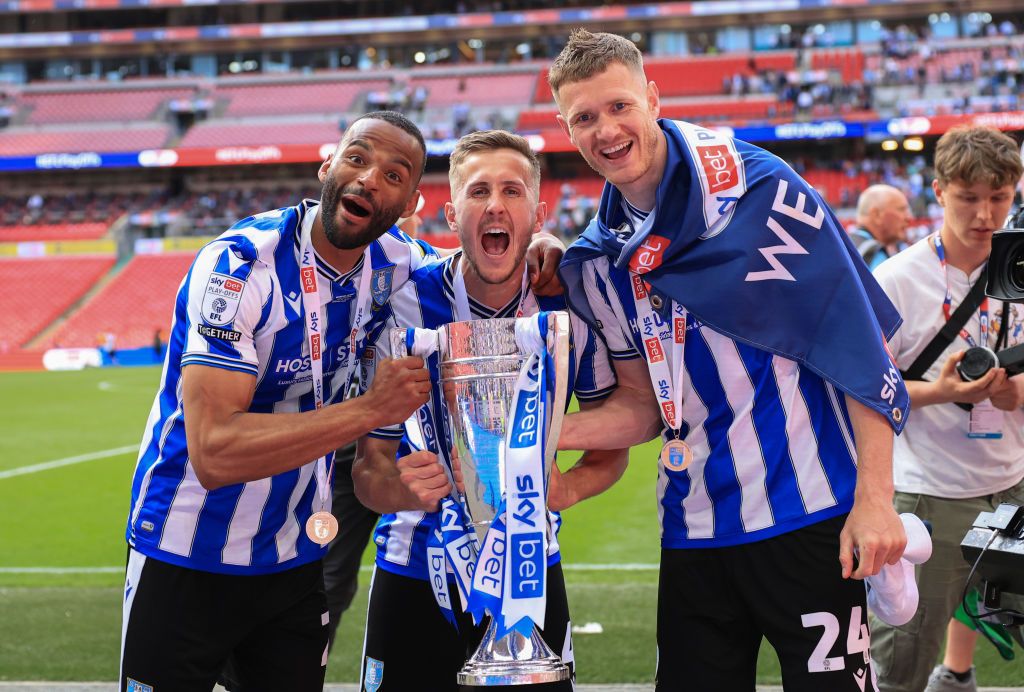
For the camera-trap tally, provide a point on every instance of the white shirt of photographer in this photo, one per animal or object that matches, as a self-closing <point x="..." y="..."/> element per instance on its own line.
<point x="934" y="455"/>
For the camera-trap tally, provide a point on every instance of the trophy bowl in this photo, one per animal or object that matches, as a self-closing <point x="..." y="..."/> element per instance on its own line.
<point x="480" y="362"/>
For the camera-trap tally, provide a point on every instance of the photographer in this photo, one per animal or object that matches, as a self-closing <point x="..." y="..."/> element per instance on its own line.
<point x="963" y="448"/>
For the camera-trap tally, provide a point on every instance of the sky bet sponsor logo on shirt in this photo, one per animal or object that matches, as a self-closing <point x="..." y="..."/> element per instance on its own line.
<point x="649" y="255"/>
<point x="220" y="303"/>
<point x="719" y="167"/>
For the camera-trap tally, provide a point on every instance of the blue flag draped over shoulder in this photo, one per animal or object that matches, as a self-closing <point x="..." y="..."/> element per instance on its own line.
<point x="751" y="250"/>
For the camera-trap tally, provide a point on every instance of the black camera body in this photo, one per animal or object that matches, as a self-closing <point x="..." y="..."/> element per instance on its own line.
<point x="1005" y="282"/>
<point x="1006" y="263"/>
<point x="978" y="360"/>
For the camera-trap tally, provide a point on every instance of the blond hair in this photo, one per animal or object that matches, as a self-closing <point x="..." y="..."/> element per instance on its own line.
<point x="491" y="140"/>
<point x="971" y="154"/>
<point x="587" y="54"/>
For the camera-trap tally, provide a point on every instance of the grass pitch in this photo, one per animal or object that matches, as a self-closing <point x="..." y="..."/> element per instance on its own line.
<point x="63" y="621"/>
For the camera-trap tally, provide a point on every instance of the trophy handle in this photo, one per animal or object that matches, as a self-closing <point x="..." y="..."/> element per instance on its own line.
<point x="558" y="347"/>
<point x="413" y="426"/>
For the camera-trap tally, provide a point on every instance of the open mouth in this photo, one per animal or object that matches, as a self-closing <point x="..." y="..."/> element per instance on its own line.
<point x="495" y="241"/>
<point x="356" y="206"/>
<point x="618" y="151"/>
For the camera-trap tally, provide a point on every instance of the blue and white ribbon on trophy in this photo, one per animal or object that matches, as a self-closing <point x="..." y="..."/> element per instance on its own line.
<point x="453" y="544"/>
<point x="510" y="580"/>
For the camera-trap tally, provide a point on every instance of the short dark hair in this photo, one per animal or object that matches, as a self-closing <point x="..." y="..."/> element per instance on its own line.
<point x="401" y="122"/>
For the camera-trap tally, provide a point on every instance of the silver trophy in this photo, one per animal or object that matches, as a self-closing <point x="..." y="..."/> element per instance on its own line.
<point x="480" y="363"/>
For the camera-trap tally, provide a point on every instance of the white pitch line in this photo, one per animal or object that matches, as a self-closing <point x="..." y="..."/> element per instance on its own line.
<point x="582" y="567"/>
<point x="67" y="461"/>
<point x="61" y="570"/>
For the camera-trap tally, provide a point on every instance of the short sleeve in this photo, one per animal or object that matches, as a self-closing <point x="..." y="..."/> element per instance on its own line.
<point x="595" y="376"/>
<point x="224" y="299"/>
<point x="604" y="304"/>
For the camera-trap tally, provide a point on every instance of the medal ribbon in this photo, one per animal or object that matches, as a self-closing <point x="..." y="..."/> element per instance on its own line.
<point x="947" y="303"/>
<point x="314" y="337"/>
<point x="516" y="544"/>
<point x="453" y="544"/>
<point x="655" y="335"/>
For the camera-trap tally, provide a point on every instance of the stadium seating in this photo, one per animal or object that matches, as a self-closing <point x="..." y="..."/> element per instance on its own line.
<point x="220" y="133"/>
<point x="480" y="90"/>
<point x="837" y="187"/>
<point x="708" y="109"/>
<point x="136" y="302"/>
<point x="694" y="75"/>
<point x="32" y="142"/>
<point x="849" y="62"/>
<point x="71" y="231"/>
<point x="121" y="105"/>
<point x="38" y="290"/>
<point x="294" y="98"/>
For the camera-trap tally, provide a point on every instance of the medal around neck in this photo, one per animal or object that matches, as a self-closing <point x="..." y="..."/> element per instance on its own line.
<point x="322" y="527"/>
<point x="676" y="455"/>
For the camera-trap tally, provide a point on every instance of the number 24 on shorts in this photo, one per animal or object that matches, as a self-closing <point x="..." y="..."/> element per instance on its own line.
<point x="857" y="640"/>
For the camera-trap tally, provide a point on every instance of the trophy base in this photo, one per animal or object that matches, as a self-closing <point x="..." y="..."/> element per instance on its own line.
<point x="512" y="660"/>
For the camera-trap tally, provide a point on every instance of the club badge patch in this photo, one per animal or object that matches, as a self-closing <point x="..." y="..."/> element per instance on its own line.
<point x="374" y="675"/>
<point x="221" y="299"/>
<point x="380" y="285"/>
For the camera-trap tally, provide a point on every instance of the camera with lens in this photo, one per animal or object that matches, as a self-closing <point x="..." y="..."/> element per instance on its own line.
<point x="1005" y="282"/>
<point x="1006" y="263"/>
<point x="978" y="360"/>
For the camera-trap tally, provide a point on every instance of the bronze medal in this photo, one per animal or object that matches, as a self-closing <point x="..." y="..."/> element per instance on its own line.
<point x="322" y="527"/>
<point x="676" y="455"/>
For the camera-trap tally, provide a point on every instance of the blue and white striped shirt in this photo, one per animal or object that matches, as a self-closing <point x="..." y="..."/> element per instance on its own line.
<point x="240" y="308"/>
<point x="428" y="301"/>
<point x="772" y="442"/>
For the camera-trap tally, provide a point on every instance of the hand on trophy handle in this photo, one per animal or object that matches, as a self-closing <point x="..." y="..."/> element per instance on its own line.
<point x="460" y="483"/>
<point x="424" y="476"/>
<point x="399" y="388"/>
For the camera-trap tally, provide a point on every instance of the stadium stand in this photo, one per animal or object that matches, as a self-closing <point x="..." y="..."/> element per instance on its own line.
<point x="31" y="142"/>
<point x="225" y="133"/>
<point x="481" y="90"/>
<point x="136" y="302"/>
<point x="39" y="290"/>
<point x="75" y="231"/>
<point x="121" y="105"/>
<point x="313" y="96"/>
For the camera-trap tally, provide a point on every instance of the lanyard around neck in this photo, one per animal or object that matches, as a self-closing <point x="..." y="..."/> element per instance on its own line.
<point x="312" y="309"/>
<point x="668" y="389"/>
<point x="947" y="302"/>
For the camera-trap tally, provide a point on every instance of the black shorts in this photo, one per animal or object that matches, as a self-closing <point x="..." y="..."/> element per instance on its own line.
<point x="181" y="625"/>
<point x="415" y="648"/>
<point x="715" y="604"/>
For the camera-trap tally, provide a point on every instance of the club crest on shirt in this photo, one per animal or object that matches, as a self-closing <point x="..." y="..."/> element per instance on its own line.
<point x="380" y="285"/>
<point x="374" y="674"/>
<point x="221" y="299"/>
